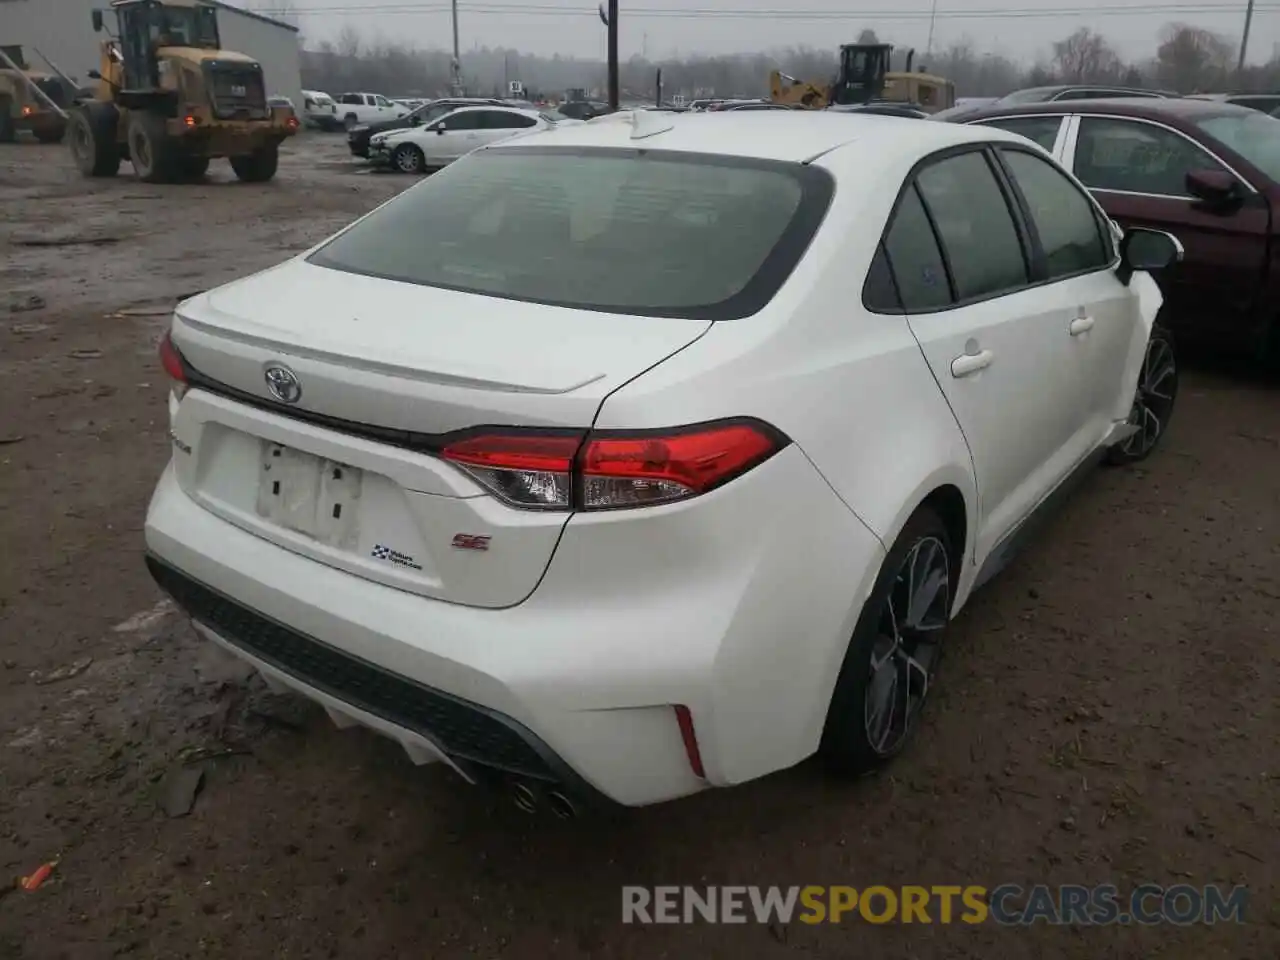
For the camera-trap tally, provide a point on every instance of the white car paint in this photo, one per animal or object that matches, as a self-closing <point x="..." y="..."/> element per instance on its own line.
<point x="583" y="627"/>
<point x="457" y="133"/>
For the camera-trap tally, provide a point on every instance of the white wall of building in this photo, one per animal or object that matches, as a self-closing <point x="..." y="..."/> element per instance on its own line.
<point x="63" y="31"/>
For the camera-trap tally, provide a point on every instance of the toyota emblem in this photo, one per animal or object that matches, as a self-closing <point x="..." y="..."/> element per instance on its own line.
<point x="283" y="383"/>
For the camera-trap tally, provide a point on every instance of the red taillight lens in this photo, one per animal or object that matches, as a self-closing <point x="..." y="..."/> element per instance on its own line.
<point x="171" y="360"/>
<point x="525" y="469"/>
<point x="621" y="471"/>
<point x="684" y="717"/>
<point x="607" y="470"/>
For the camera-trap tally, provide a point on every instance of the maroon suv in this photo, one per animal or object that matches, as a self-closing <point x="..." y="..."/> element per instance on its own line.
<point x="1207" y="172"/>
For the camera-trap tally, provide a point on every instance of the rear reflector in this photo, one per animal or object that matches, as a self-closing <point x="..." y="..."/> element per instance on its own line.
<point x="609" y="470"/>
<point x="690" y="737"/>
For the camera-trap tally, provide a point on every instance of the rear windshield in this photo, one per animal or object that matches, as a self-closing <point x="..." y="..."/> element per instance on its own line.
<point x="621" y="231"/>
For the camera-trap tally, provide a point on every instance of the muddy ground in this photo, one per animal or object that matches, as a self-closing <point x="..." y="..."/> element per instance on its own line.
<point x="1108" y="711"/>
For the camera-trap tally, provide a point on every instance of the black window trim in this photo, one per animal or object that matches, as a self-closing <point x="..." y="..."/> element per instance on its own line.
<point x="1018" y="212"/>
<point x="817" y="188"/>
<point x="1100" y="220"/>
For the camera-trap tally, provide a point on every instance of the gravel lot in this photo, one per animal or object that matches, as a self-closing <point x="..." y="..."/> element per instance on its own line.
<point x="1108" y="711"/>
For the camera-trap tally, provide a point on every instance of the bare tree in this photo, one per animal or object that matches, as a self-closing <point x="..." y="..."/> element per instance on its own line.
<point x="1193" y="59"/>
<point x="1085" y="57"/>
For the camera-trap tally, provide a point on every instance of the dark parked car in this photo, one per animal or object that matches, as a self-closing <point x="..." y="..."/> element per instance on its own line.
<point x="583" y="109"/>
<point x="358" y="137"/>
<point x="1205" y="171"/>
<point x="1054" y="94"/>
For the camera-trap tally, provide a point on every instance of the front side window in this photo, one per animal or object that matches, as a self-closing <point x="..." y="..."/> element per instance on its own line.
<point x="1253" y="135"/>
<point x="1064" y="218"/>
<point x="1040" y="130"/>
<point x="562" y="226"/>
<point x="1131" y="157"/>
<point x="466" y="120"/>
<point x="974" y="225"/>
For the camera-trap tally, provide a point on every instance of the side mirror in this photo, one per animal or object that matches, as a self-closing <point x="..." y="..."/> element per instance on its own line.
<point x="1216" y="187"/>
<point x="94" y="75"/>
<point x="96" y="17"/>
<point x="440" y="128"/>
<point x="1143" y="249"/>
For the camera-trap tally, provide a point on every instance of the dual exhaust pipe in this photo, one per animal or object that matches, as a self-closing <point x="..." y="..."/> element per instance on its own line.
<point x="530" y="799"/>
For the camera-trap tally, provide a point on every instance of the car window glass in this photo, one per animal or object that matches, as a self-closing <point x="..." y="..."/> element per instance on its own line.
<point x="974" y="225"/>
<point x="879" y="294"/>
<point x="505" y="120"/>
<point x="1064" y="217"/>
<point x="470" y="120"/>
<point x="382" y="101"/>
<point x="914" y="257"/>
<point x="1136" y="157"/>
<point x="1041" y="130"/>
<point x="351" y="98"/>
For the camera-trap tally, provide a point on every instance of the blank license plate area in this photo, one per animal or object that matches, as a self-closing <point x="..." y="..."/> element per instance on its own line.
<point x="310" y="495"/>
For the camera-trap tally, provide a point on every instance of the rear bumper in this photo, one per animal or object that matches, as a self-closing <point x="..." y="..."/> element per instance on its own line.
<point x="738" y="607"/>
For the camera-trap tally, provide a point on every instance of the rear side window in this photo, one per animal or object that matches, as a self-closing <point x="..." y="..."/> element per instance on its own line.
<point x="914" y="257"/>
<point x="642" y="232"/>
<point x="1064" y="218"/>
<point x="506" y="120"/>
<point x="974" y="225"/>
<point x="1040" y="130"/>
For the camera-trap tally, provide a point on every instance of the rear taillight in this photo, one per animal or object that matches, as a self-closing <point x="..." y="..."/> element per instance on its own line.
<point x="608" y="470"/>
<point x="174" y="368"/>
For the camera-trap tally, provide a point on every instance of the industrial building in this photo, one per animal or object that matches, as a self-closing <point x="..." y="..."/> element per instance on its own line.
<point x="62" y="31"/>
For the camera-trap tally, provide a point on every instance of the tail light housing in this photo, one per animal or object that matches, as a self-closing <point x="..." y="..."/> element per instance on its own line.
<point x="174" y="367"/>
<point x="612" y="469"/>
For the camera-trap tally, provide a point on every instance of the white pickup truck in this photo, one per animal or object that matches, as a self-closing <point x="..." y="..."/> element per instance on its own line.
<point x="357" y="108"/>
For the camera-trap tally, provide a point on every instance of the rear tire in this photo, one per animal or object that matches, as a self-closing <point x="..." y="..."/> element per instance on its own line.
<point x="52" y="134"/>
<point x="154" y="154"/>
<point x="894" y="652"/>
<point x="91" y="132"/>
<point x="193" y="167"/>
<point x="1153" y="401"/>
<point x="257" y="167"/>
<point x="8" y="130"/>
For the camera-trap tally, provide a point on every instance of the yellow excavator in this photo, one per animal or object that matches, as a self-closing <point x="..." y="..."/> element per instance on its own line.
<point x="169" y="99"/>
<point x="31" y="100"/>
<point x="865" y="77"/>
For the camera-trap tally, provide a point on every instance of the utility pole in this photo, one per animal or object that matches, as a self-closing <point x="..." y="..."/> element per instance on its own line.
<point x="1244" y="41"/>
<point x="614" y="87"/>
<point x="457" y="56"/>
<point x="933" y="16"/>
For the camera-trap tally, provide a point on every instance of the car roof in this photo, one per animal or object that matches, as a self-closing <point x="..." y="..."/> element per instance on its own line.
<point x="785" y="135"/>
<point x="1177" y="110"/>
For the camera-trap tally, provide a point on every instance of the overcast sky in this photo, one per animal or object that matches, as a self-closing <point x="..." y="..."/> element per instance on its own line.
<point x="571" y="27"/>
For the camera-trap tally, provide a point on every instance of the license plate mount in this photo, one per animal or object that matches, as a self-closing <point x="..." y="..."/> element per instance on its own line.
<point x="310" y="495"/>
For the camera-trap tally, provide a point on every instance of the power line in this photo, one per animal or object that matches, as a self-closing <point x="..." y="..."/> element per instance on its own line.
<point x="547" y="10"/>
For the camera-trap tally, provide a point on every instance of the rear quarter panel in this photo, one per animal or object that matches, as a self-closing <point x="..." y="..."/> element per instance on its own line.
<point x="851" y="388"/>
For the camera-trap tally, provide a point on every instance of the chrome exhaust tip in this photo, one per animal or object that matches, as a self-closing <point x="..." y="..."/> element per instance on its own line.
<point x="524" y="798"/>
<point x="561" y="806"/>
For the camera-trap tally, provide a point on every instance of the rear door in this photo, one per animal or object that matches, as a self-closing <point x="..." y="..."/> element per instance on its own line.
<point x="998" y="347"/>
<point x="1137" y="169"/>
<point x="452" y="136"/>
<point x="499" y="124"/>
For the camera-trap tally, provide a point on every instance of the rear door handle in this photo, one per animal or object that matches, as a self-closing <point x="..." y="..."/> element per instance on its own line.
<point x="1081" y="325"/>
<point x="970" y="363"/>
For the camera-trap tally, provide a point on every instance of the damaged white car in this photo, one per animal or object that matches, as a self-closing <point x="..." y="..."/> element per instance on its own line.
<point x="643" y="457"/>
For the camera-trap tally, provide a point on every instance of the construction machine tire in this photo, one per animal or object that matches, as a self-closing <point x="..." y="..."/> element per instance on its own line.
<point x="51" y="134"/>
<point x="91" y="131"/>
<point x="259" y="166"/>
<point x="154" y="154"/>
<point x="8" y="130"/>
<point x="193" y="166"/>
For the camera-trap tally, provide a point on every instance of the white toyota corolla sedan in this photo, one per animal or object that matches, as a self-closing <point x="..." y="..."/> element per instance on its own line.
<point x="631" y="459"/>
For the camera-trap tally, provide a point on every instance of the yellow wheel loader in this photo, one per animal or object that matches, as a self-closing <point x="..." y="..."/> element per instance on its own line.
<point x="169" y="99"/>
<point x="865" y="77"/>
<point x="30" y="100"/>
